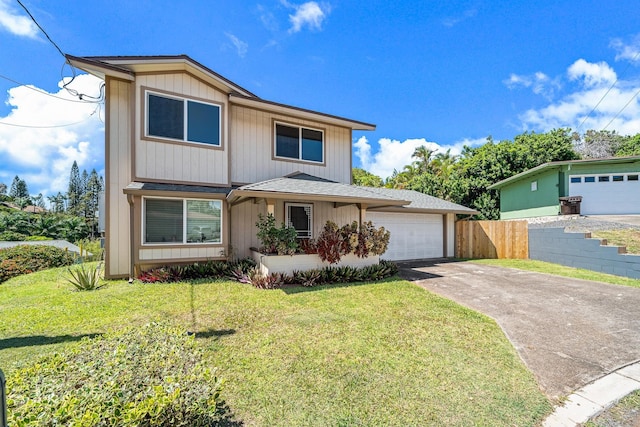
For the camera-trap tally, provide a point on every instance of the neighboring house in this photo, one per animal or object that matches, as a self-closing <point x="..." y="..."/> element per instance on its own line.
<point x="607" y="187"/>
<point x="192" y="159"/>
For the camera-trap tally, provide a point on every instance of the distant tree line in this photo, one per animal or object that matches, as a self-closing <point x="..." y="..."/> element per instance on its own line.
<point x="80" y="202"/>
<point x="464" y="179"/>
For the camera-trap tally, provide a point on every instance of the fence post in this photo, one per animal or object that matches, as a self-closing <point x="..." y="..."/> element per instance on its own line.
<point x="3" y="400"/>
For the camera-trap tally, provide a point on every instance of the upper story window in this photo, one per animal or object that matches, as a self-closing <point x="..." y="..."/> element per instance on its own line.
<point x="182" y="119"/>
<point x="299" y="143"/>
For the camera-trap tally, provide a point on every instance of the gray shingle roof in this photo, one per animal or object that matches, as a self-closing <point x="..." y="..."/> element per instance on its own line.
<point x="420" y="201"/>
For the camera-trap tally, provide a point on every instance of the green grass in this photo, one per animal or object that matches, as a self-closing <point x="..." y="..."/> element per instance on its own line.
<point x="628" y="238"/>
<point x="560" y="270"/>
<point x="387" y="353"/>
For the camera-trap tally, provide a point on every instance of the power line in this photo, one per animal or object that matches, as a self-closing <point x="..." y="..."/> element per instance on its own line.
<point x="53" y="126"/>
<point x="607" y="93"/>
<point x="66" y="61"/>
<point x="621" y="110"/>
<point x="35" y="89"/>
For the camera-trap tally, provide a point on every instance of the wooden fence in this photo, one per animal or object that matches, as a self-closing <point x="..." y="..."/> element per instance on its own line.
<point x="492" y="239"/>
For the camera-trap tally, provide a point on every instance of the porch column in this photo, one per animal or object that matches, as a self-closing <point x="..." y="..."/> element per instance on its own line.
<point x="271" y="207"/>
<point x="363" y="212"/>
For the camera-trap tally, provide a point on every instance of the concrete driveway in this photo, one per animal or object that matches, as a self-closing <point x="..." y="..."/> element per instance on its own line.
<point x="569" y="332"/>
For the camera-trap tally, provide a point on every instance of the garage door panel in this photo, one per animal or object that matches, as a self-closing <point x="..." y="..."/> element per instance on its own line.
<point x="413" y="236"/>
<point x="607" y="197"/>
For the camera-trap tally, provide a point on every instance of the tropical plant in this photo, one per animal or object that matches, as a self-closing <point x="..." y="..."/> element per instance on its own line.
<point x="85" y="278"/>
<point x="276" y="240"/>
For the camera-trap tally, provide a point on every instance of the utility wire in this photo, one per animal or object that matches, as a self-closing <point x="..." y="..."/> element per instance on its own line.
<point x="53" y="126"/>
<point x="621" y="110"/>
<point x="66" y="61"/>
<point x="35" y="89"/>
<point x="607" y="93"/>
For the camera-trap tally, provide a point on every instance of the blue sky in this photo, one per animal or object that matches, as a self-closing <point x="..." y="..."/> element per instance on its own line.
<point x="439" y="73"/>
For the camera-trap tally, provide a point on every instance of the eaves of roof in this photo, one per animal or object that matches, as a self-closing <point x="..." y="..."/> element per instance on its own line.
<point x="551" y="165"/>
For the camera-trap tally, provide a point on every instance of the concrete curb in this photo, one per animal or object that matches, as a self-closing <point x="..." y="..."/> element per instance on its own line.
<point x="594" y="398"/>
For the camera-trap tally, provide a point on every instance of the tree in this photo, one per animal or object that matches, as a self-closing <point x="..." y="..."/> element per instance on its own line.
<point x="19" y="189"/>
<point x="629" y="147"/>
<point x="75" y="190"/>
<point x="3" y="189"/>
<point x="57" y="202"/>
<point x="91" y="197"/>
<point x="367" y="179"/>
<point x="597" y="144"/>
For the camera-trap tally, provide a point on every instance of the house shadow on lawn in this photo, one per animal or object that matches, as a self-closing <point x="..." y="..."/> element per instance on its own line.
<point x="34" y="340"/>
<point x="296" y="289"/>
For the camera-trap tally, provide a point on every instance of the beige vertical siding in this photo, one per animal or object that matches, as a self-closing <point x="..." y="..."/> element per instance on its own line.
<point x="243" y="227"/>
<point x="180" y="162"/>
<point x="118" y="176"/>
<point x="185" y="253"/>
<point x="252" y="148"/>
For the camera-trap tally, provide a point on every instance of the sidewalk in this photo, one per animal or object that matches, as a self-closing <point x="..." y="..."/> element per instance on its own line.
<point x="596" y="397"/>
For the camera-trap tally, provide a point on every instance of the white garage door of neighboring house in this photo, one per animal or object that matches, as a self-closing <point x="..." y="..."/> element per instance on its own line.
<point x="413" y="236"/>
<point x="607" y="194"/>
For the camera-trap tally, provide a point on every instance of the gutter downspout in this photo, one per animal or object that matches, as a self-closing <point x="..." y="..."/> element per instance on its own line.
<point x="131" y="238"/>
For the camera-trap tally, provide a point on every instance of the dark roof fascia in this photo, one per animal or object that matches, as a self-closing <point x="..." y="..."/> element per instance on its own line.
<point x="269" y="105"/>
<point x="238" y="195"/>
<point x="91" y="65"/>
<point x="120" y="63"/>
<point x="176" y="190"/>
<point x="559" y="164"/>
<point x="405" y="209"/>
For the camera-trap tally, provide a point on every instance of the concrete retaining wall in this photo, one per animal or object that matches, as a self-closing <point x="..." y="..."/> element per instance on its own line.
<point x="575" y="250"/>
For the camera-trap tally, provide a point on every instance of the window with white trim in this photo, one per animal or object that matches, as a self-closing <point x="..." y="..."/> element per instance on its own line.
<point x="181" y="221"/>
<point x="298" y="143"/>
<point x="181" y="119"/>
<point x="534" y="185"/>
<point x="300" y="217"/>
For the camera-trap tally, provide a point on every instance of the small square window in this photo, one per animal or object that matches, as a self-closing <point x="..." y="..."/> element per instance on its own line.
<point x="618" y="178"/>
<point x="632" y="177"/>
<point x="534" y="186"/>
<point x="576" y="179"/>
<point x="589" y="179"/>
<point x="300" y="217"/>
<point x="603" y="178"/>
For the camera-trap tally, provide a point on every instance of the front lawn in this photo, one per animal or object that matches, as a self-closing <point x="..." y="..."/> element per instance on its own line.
<point x="387" y="353"/>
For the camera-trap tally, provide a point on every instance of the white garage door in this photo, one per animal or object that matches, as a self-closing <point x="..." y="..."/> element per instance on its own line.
<point x="607" y="194"/>
<point x="413" y="236"/>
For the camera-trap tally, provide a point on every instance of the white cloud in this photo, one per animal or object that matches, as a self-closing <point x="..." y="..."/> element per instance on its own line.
<point x="628" y="51"/>
<point x="309" y="14"/>
<point x="593" y="104"/>
<point x="539" y="82"/>
<point x="240" y="46"/>
<point x="592" y="74"/>
<point x="42" y="135"/>
<point x="393" y="154"/>
<point x="16" y="24"/>
<point x="450" y="22"/>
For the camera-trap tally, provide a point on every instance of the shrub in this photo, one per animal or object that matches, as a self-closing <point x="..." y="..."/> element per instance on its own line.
<point x="206" y="270"/>
<point x="90" y="249"/>
<point x="26" y="259"/>
<point x="85" y="279"/>
<point x="331" y="244"/>
<point x="12" y="236"/>
<point x="146" y="376"/>
<point x="334" y="242"/>
<point x="276" y="240"/>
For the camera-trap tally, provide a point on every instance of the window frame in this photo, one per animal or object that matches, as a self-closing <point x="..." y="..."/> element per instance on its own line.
<point x="534" y="185"/>
<point x="146" y="92"/>
<point x="185" y="239"/>
<point x="300" y="141"/>
<point x="289" y="224"/>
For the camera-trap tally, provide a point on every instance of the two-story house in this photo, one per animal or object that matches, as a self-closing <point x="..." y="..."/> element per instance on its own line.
<point x="192" y="158"/>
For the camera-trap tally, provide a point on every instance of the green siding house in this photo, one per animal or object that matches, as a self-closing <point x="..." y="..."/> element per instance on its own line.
<point x="606" y="186"/>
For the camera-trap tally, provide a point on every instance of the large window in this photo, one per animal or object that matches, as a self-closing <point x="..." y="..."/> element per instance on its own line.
<point x="300" y="217"/>
<point x="180" y="221"/>
<point x="182" y="119"/>
<point x="299" y="143"/>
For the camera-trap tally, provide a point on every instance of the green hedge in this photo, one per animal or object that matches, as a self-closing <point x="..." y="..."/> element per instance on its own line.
<point x="25" y="259"/>
<point x="140" y="376"/>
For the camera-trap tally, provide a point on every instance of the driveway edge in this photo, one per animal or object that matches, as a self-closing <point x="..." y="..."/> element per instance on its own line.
<point x="595" y="397"/>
